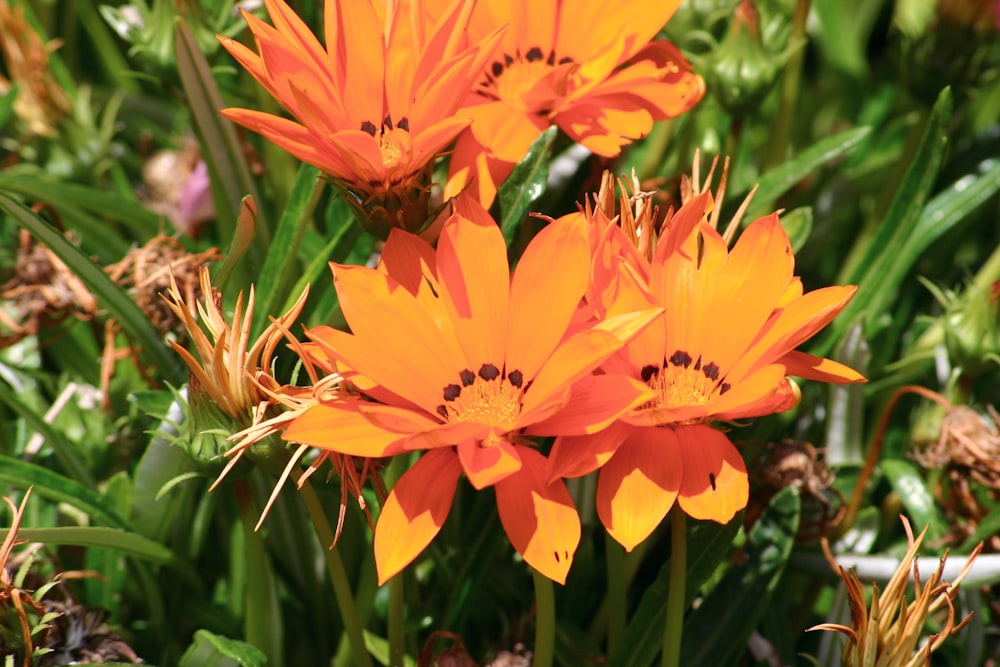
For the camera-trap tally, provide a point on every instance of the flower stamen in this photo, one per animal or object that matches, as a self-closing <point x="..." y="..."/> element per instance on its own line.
<point x="488" y="397"/>
<point x="512" y="77"/>
<point x="682" y="380"/>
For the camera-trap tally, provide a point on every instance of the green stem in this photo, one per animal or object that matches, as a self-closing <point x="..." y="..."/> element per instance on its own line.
<point x="778" y="146"/>
<point x="545" y="620"/>
<point x="397" y="618"/>
<point x="338" y="574"/>
<point x="617" y="585"/>
<point x="676" y="592"/>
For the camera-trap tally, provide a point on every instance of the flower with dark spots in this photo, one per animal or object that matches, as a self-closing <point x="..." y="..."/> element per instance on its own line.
<point x="591" y="67"/>
<point x="507" y="363"/>
<point x="740" y="313"/>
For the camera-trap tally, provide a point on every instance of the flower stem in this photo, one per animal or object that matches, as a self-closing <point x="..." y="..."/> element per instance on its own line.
<point x="617" y="583"/>
<point x="545" y="621"/>
<point x="671" y="656"/>
<point x="396" y="621"/>
<point x="338" y="574"/>
<point x="789" y="89"/>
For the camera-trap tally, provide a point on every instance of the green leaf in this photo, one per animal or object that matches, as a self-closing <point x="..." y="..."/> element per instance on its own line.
<point x="122" y="541"/>
<point x="798" y="225"/>
<point x="525" y="184"/>
<point x="918" y="500"/>
<point x="987" y="528"/>
<point x="246" y="228"/>
<point x="111" y="297"/>
<point x="718" y="630"/>
<point x="220" y="144"/>
<point x="379" y="648"/>
<point x="708" y="544"/>
<point x="60" y="489"/>
<point x="905" y="232"/>
<point x="279" y="263"/>
<point x="69" y="197"/>
<point x="63" y="448"/>
<point x="780" y="180"/>
<point x="212" y="650"/>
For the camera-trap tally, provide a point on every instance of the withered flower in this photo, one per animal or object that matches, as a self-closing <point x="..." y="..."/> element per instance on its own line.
<point x="888" y="631"/>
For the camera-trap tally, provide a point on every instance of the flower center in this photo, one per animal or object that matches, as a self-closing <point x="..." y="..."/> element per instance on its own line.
<point x="391" y="151"/>
<point x="683" y="381"/>
<point x="512" y="78"/>
<point x="489" y="397"/>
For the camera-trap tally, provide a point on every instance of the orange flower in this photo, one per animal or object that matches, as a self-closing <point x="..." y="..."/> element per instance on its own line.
<point x="722" y="350"/>
<point x="587" y="66"/>
<point x="464" y="360"/>
<point x="376" y="106"/>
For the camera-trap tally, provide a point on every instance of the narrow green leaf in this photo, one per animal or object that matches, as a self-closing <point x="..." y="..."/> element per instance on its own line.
<point x="63" y="449"/>
<point x="718" y="630"/>
<point x="59" y="488"/>
<point x="122" y="541"/>
<point x="525" y="184"/>
<point x="7" y="103"/>
<point x="708" y="544"/>
<point x="780" y="180"/>
<point x="798" y="225"/>
<point x="111" y="297"/>
<point x="246" y="228"/>
<point x="379" y="648"/>
<point x="262" y="620"/>
<point x="891" y="252"/>
<point x="987" y="528"/>
<point x="221" y="146"/>
<point x="918" y="500"/>
<point x="212" y="650"/>
<point x="279" y="263"/>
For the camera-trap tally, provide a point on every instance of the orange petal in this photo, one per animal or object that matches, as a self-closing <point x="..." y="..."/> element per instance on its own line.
<point x="409" y="259"/>
<point x="472" y="167"/>
<point x="472" y="263"/>
<point x="415" y="511"/>
<point x="715" y="484"/>
<point x="812" y="367"/>
<point x="550" y="279"/>
<point x="540" y="520"/>
<point x="638" y="486"/>
<point x="603" y="125"/>
<point x="594" y="402"/>
<point x="378" y="310"/>
<point x="294" y="138"/>
<point x="506" y="131"/>
<point x="485" y="465"/>
<point x="571" y="361"/>
<point x="747" y="293"/>
<point x="795" y="324"/>
<point x="750" y="396"/>
<point x="579" y="455"/>
<point x="339" y="427"/>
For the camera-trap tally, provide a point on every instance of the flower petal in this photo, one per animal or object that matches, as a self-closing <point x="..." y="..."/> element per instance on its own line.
<point x="594" y="402"/>
<point x="550" y="279"/>
<point x="540" y="520"/>
<point x="485" y="465"/>
<point x="638" y="486"/>
<point x="374" y="304"/>
<point x="339" y="427"/>
<point x="579" y="455"/>
<point x="415" y="510"/>
<point x="811" y="367"/>
<point x="472" y="263"/>
<point x="715" y="484"/>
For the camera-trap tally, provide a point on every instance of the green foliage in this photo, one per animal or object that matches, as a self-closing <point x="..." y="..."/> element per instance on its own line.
<point x="873" y="127"/>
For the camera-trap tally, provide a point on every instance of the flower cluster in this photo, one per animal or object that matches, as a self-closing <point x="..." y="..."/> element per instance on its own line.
<point x="398" y="82"/>
<point x="629" y="340"/>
